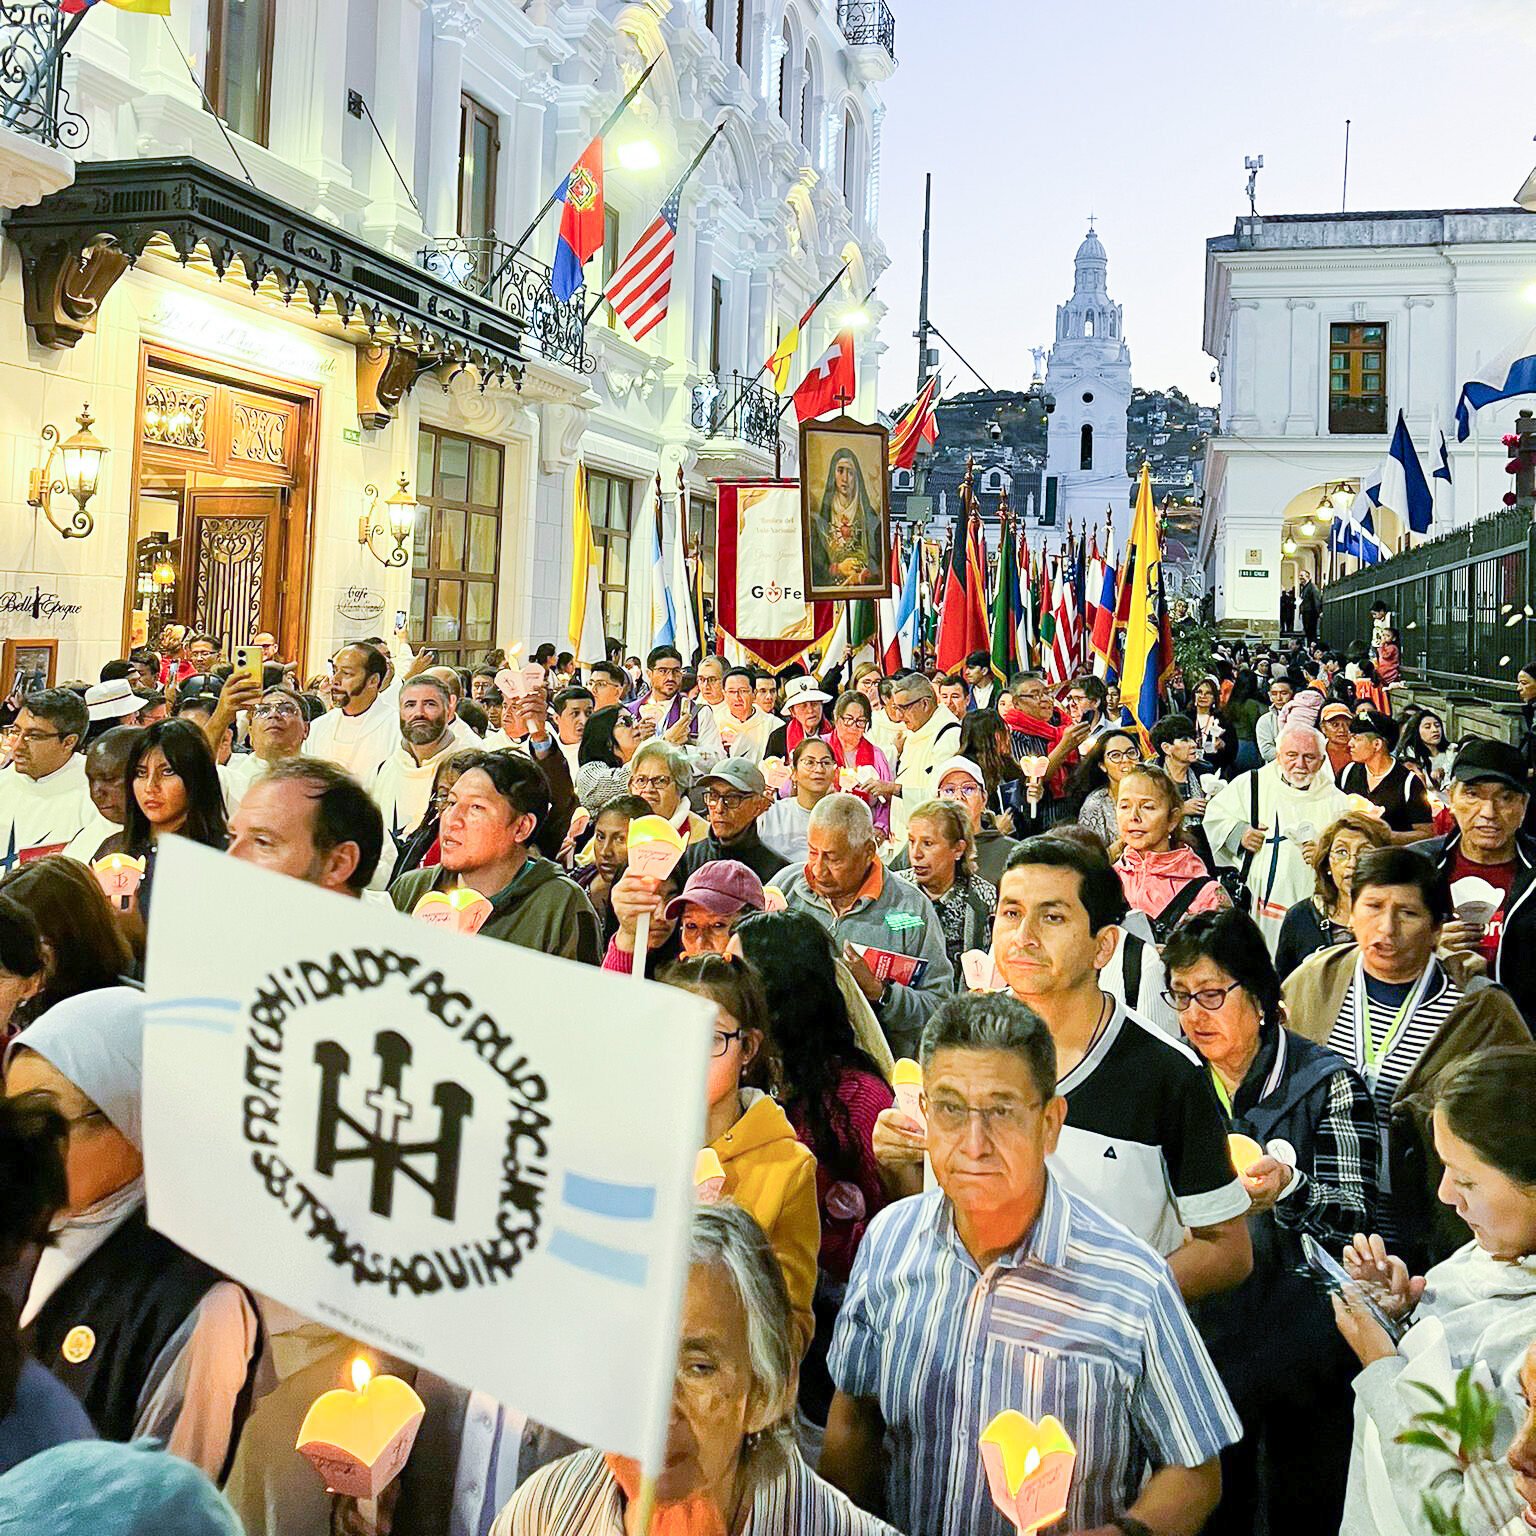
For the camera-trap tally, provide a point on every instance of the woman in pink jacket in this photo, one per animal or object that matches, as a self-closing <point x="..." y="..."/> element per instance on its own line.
<point x="1162" y="876"/>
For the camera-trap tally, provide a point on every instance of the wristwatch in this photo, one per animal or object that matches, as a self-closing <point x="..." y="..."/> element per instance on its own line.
<point x="885" y="993"/>
<point x="1131" y="1526"/>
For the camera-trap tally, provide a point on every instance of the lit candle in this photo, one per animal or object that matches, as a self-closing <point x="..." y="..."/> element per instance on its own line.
<point x="1029" y="1468"/>
<point x="907" y="1080"/>
<point x="462" y="909"/>
<point x="119" y="876"/>
<point x="358" y="1440"/>
<point x="1244" y="1152"/>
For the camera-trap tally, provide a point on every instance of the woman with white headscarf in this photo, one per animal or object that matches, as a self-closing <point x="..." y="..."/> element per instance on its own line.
<point x="151" y="1340"/>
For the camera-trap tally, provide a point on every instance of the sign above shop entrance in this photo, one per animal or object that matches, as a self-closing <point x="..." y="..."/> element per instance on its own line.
<point x="360" y="604"/>
<point x="37" y="604"/>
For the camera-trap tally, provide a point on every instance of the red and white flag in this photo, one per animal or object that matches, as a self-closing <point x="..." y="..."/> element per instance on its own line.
<point x="830" y="385"/>
<point x="641" y="288"/>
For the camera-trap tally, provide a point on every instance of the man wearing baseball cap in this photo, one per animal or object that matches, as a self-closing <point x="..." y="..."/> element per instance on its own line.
<point x="735" y="795"/>
<point x="1489" y="792"/>
<point x="806" y="706"/>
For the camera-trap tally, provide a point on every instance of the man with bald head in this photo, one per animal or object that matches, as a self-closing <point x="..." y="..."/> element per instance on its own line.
<point x="1266" y="823"/>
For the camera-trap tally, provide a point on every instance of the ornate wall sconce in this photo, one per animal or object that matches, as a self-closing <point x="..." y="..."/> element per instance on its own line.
<point x="77" y="473"/>
<point x="399" y="524"/>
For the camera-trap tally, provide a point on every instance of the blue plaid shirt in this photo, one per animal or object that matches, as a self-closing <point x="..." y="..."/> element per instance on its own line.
<point x="1083" y="1321"/>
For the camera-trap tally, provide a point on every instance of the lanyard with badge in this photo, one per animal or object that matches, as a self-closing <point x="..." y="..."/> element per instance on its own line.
<point x="1371" y="1051"/>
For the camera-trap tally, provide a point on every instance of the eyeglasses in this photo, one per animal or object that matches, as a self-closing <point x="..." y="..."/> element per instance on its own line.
<point x="276" y="712"/>
<point x="1209" y="998"/>
<point x="901" y="707"/>
<point x="961" y="792"/>
<point x="853" y="722"/>
<point x="723" y="1038"/>
<point x="718" y="797"/>
<point x="15" y="733"/>
<point x="1340" y="854"/>
<point x="642" y="785"/>
<point x="952" y="1116"/>
<point x="1129" y="755"/>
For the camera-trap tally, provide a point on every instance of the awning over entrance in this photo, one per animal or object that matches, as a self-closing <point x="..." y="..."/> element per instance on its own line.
<point x="76" y="243"/>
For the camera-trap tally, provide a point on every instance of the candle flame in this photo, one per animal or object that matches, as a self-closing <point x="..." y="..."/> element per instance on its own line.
<point x="362" y="1373"/>
<point x="1031" y="1462"/>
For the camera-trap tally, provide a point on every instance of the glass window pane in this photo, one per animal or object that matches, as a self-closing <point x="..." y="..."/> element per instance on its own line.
<point x="597" y="497"/>
<point x="613" y="611"/>
<point x="482" y="543"/>
<point x="1371" y="383"/>
<point x="425" y="442"/>
<point x="418" y="604"/>
<point x="1338" y="333"/>
<point x="1339" y="386"/>
<point x="446" y="601"/>
<point x="448" y="554"/>
<point x="244" y="64"/>
<point x="420" y="539"/>
<point x="453" y="469"/>
<point x="1374" y="334"/>
<point x="479" y="609"/>
<point x="485" y="466"/>
<point x="1339" y="362"/>
<point x="1370" y="360"/>
<point x="616" y="561"/>
<point x="623" y="498"/>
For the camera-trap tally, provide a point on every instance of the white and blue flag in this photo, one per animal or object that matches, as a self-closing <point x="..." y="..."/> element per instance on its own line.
<point x="1511" y="373"/>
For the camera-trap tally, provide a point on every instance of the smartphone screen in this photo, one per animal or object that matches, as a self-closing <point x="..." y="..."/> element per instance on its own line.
<point x="1336" y="1278"/>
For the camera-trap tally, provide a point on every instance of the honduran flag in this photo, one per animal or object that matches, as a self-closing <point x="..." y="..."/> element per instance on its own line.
<point x="1511" y="373"/>
<point x="581" y="220"/>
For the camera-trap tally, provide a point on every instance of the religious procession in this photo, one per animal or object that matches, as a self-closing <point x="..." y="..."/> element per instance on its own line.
<point x="615" y="922"/>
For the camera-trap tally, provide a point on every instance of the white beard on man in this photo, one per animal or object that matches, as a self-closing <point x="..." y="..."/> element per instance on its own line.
<point x="1279" y="875"/>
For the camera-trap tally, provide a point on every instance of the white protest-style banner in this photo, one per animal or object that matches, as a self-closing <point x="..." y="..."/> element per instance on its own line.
<point x="466" y="1154"/>
<point x="770" y="597"/>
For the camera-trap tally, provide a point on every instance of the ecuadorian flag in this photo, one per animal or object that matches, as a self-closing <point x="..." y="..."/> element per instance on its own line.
<point x="139" y="7"/>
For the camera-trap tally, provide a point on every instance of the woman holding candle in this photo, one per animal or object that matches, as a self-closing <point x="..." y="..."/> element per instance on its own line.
<point x="768" y="1171"/>
<point x="150" y="1340"/>
<point x="731" y="1464"/>
<point x="941" y="863"/>
<point x="1483" y="1297"/>
<point x="1322" y="919"/>
<point x="853" y="748"/>
<point x="1314" y="1119"/>
<point x="813" y="776"/>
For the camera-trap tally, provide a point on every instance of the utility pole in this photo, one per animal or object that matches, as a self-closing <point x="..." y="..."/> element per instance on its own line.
<point x="922" y="302"/>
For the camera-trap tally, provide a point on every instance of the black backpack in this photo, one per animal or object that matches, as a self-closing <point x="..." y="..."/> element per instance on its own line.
<point x="1177" y="909"/>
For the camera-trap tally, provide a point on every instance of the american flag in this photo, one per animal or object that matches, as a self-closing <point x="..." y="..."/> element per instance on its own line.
<point x="641" y="289"/>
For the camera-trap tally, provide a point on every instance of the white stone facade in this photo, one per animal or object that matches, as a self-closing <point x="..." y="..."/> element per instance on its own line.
<point x="1089" y="373"/>
<point x="1452" y="289"/>
<point x="787" y="195"/>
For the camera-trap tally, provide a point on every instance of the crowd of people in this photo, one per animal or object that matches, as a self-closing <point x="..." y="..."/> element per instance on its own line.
<point x="1227" y="1117"/>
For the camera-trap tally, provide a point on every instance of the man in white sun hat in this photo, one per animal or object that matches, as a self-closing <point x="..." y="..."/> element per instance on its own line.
<point x="111" y="703"/>
<point x="806" y="706"/>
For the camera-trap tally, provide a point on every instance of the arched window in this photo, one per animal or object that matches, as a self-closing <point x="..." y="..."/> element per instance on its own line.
<point x="850" y="156"/>
<point x="1088" y="323"/>
<point x="807" y="102"/>
<point x="741" y="33"/>
<point x="784" y="74"/>
<point x="1085" y="453"/>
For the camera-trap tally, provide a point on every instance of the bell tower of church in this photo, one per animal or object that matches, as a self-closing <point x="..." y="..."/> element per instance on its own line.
<point x="1089" y="373"/>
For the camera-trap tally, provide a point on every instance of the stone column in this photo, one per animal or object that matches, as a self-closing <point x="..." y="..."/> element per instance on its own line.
<point x="391" y="221"/>
<point x="452" y="27"/>
<point x="706" y="233"/>
<point x="309" y="90"/>
<point x="1301" y="396"/>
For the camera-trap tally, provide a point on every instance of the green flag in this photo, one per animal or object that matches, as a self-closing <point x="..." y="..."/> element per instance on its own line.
<point x="1005" y="604"/>
<point x="861" y="625"/>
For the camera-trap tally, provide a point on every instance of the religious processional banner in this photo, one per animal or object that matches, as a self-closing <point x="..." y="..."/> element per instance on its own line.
<point x="760" y="573"/>
<point x="472" y="1156"/>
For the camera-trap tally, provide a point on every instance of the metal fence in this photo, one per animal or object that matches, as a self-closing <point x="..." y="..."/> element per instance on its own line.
<point x="33" y="100"/>
<point x="1462" y="605"/>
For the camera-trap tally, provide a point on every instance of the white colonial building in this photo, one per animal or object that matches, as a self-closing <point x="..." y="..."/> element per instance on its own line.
<point x="1089" y="373"/>
<point x="1323" y="327"/>
<point x="330" y="300"/>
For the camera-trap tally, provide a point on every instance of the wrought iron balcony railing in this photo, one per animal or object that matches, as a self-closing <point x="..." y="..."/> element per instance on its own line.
<point x="33" y="100"/>
<point x="521" y="286"/>
<point x="729" y="406"/>
<point x="868" y="22"/>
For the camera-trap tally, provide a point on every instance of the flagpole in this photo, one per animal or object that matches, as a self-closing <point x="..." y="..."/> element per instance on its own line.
<point x="553" y="197"/>
<point x="597" y="303"/>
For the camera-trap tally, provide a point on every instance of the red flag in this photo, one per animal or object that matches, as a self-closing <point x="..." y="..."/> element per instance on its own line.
<point x="918" y="427"/>
<point x="582" y="222"/>
<point x="830" y="385"/>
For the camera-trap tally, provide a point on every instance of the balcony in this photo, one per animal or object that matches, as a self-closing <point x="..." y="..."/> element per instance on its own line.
<point x="730" y="407"/>
<point x="33" y="101"/>
<point x="489" y="269"/>
<point x="869" y="29"/>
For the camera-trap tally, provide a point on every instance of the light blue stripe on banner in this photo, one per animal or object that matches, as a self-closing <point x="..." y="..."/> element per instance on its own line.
<point x="598" y="1258"/>
<point x="600" y="1197"/>
<point x="166" y="1004"/>
<point x="189" y="1020"/>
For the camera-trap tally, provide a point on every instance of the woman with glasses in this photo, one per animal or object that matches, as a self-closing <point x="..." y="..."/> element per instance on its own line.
<point x="1161" y="874"/>
<point x="941" y="863"/>
<point x="853" y="751"/>
<point x="1097" y="782"/>
<point x="1403" y="1017"/>
<point x="1322" y="918"/>
<point x="608" y="742"/>
<point x="769" y="1172"/>
<point x="813" y="776"/>
<point x="1273" y="1337"/>
<point x="660" y="775"/>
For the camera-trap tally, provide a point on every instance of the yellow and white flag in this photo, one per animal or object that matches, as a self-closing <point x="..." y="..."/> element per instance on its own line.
<point x="586" y="627"/>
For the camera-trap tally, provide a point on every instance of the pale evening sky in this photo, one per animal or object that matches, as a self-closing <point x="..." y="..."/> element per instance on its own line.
<point x="1031" y="115"/>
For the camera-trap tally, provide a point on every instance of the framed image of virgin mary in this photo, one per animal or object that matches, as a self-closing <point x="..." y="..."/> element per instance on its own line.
<point x="845" y="510"/>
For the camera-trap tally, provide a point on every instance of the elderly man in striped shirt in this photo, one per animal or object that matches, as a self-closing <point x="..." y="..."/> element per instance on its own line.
<point x="1002" y="1289"/>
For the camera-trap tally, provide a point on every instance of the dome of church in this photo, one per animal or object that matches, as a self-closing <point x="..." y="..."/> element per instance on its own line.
<point x="1092" y="249"/>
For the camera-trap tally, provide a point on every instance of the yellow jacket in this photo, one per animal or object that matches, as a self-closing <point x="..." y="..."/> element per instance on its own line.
<point x="772" y="1175"/>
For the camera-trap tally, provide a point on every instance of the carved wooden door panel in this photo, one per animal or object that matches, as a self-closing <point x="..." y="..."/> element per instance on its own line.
<point x="232" y="562"/>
